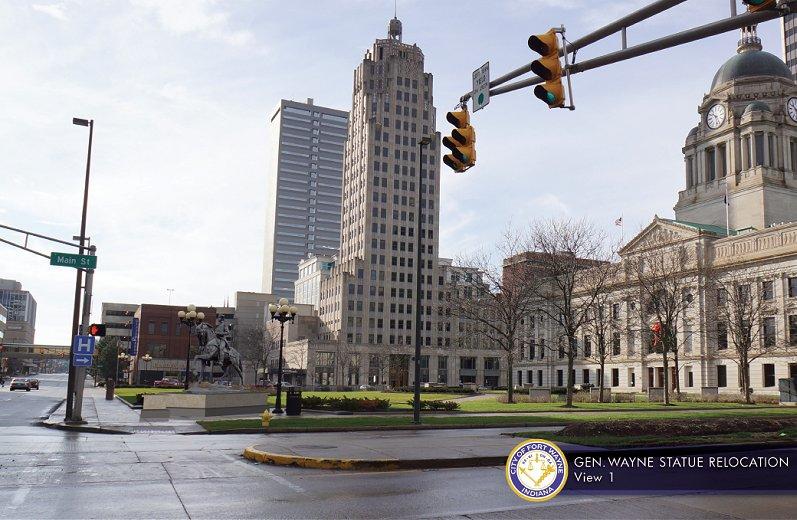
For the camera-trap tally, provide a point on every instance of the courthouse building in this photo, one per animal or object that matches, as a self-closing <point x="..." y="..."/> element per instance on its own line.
<point x="738" y="216"/>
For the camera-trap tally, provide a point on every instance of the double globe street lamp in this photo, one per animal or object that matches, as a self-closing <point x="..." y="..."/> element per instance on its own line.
<point x="146" y="358"/>
<point x="281" y="312"/>
<point x="190" y="318"/>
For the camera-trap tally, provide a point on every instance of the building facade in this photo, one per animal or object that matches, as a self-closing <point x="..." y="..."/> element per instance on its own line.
<point x="118" y="320"/>
<point x="312" y="271"/>
<point x="790" y="42"/>
<point x="303" y="189"/>
<point x="21" y="307"/>
<point x="367" y="308"/>
<point x="747" y="141"/>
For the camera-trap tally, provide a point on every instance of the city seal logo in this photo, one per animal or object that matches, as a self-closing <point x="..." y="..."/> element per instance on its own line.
<point x="536" y="470"/>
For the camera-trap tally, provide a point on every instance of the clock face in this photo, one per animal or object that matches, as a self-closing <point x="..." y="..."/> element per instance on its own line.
<point x="792" y="107"/>
<point x="716" y="116"/>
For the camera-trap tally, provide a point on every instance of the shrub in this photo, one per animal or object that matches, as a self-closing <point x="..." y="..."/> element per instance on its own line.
<point x="436" y="390"/>
<point x="348" y="404"/>
<point x="448" y="406"/>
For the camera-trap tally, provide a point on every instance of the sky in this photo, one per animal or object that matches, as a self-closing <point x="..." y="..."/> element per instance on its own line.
<point x="180" y="91"/>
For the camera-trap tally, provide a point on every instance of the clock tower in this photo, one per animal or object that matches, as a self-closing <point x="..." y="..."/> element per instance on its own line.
<point x="744" y="149"/>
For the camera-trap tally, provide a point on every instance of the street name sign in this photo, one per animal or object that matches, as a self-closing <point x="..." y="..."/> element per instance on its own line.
<point x="70" y="260"/>
<point x="481" y="87"/>
<point x="82" y="351"/>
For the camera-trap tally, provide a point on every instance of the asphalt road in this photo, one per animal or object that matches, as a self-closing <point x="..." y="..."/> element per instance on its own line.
<point x="21" y="408"/>
<point x="53" y="474"/>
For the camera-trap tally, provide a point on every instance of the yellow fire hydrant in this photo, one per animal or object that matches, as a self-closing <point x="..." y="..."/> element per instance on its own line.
<point x="266" y="418"/>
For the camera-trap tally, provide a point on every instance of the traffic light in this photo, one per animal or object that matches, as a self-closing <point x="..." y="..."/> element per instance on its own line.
<point x="758" y="5"/>
<point x="97" y="329"/>
<point x="549" y="68"/>
<point x="461" y="142"/>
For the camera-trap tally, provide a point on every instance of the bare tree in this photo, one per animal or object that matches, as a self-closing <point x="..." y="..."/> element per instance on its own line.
<point x="600" y="326"/>
<point x="746" y="320"/>
<point x="252" y="343"/>
<point x="573" y="262"/>
<point x="495" y="296"/>
<point x="666" y="275"/>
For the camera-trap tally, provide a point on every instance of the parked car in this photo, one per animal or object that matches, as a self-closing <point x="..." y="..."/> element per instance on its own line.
<point x="19" y="383"/>
<point x="34" y="383"/>
<point x="168" y="382"/>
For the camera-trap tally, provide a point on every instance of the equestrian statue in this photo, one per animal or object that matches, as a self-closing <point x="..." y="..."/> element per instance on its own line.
<point x="215" y="348"/>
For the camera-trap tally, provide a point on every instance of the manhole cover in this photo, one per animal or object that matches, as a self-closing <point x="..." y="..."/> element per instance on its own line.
<point x="314" y="447"/>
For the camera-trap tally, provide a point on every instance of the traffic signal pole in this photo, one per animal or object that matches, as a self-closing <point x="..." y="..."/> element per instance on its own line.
<point x="698" y="33"/>
<point x="80" y="372"/>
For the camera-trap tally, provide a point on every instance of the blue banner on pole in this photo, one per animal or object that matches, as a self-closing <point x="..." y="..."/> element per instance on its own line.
<point x="134" y="338"/>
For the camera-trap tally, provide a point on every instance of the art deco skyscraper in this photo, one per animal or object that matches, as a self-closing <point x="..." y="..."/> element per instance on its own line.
<point x="370" y="297"/>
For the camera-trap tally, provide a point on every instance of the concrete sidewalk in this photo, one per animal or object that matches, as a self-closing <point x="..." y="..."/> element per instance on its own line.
<point x="114" y="416"/>
<point x="393" y="450"/>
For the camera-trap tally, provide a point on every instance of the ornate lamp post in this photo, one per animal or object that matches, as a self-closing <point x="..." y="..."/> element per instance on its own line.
<point x="146" y="358"/>
<point x="281" y="313"/>
<point x="190" y="318"/>
<point x="122" y="357"/>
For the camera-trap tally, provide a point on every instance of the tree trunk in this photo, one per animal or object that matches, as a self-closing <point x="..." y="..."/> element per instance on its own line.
<point x="677" y="374"/>
<point x="666" y="376"/>
<point x="603" y="371"/>
<point x="510" y="388"/>
<point x="744" y="366"/>
<point x="570" y="381"/>
<point x="602" y="354"/>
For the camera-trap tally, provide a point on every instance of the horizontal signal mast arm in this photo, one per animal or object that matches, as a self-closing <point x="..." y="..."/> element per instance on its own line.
<point x="666" y="42"/>
<point x="607" y="30"/>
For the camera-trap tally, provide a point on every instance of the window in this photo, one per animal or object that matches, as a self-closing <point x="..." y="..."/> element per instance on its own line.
<point x="467" y="363"/>
<point x="615" y="377"/>
<point x="793" y="330"/>
<point x="631" y="377"/>
<point x="759" y="148"/>
<point x="587" y="346"/>
<point x="793" y="287"/>
<point x="164" y="328"/>
<point x="770" y="331"/>
<point x="722" y="376"/>
<point x="151" y="327"/>
<point x="722" y="336"/>
<point x="711" y="165"/>
<point x="424" y="362"/>
<point x="539" y="377"/>
<point x="768" y="290"/>
<point x="585" y="375"/>
<point x="616" y="311"/>
<point x="690" y="379"/>
<point x="769" y="374"/>
<point x="491" y="363"/>
<point x="722" y="296"/>
<point x="559" y="378"/>
<point x="616" y="344"/>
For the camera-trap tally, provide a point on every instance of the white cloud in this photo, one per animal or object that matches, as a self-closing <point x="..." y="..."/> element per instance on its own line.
<point x="196" y="16"/>
<point x="548" y="203"/>
<point x="57" y="11"/>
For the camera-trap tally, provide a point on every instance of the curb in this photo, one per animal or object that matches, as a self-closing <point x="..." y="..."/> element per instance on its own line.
<point x="52" y="409"/>
<point x="80" y="429"/>
<point x="131" y="406"/>
<point x="264" y="457"/>
<point x="373" y="428"/>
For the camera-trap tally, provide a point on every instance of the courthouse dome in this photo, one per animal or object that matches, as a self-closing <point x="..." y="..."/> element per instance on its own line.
<point x="750" y="63"/>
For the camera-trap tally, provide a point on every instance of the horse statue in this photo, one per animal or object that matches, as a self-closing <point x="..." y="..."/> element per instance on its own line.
<point x="217" y="349"/>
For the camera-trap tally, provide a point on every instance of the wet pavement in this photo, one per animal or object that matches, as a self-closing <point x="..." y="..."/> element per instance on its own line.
<point x="55" y="474"/>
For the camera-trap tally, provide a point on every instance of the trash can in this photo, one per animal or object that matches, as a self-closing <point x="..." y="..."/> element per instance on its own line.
<point x="293" y="402"/>
<point x="109" y="388"/>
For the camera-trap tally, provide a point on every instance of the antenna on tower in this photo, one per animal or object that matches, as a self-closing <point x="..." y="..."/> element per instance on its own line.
<point x="395" y="8"/>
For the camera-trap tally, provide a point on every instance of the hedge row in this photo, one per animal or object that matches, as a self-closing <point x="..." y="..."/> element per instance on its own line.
<point x="349" y="404"/>
<point x="448" y="406"/>
<point x="441" y="390"/>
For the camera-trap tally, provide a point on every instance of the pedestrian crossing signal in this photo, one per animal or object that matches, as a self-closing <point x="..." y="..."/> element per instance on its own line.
<point x="97" y="329"/>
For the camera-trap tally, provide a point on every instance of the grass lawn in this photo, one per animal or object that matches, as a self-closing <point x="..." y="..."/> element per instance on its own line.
<point x="553" y="419"/>
<point x="129" y="393"/>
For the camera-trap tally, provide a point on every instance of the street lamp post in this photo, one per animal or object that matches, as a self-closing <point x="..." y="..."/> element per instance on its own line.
<point x="122" y="356"/>
<point x="282" y="313"/>
<point x="72" y="378"/>
<point x="190" y="318"/>
<point x="416" y="407"/>
<point x="146" y="358"/>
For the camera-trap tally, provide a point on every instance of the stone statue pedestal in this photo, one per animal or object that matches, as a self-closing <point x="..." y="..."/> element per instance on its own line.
<point x="211" y="402"/>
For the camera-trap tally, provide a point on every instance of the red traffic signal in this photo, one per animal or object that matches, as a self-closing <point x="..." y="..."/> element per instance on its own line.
<point x="97" y="329"/>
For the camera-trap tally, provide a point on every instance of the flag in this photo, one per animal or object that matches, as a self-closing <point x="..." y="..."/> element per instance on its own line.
<point x="618" y="222"/>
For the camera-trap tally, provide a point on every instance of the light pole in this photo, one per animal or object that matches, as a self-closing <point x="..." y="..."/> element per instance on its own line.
<point x="122" y="356"/>
<point x="71" y="379"/>
<point x="190" y="318"/>
<point x="281" y="313"/>
<point x="146" y="358"/>
<point x="416" y="407"/>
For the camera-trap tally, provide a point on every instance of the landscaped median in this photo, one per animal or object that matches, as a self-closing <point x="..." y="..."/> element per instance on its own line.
<point x="129" y="393"/>
<point x="404" y="422"/>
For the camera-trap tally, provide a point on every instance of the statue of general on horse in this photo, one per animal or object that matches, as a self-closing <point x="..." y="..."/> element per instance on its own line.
<point x="215" y="348"/>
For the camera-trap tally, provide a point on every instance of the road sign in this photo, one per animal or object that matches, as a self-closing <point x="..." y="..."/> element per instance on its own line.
<point x="82" y="360"/>
<point x="83" y="345"/>
<point x="481" y="87"/>
<point x="70" y="260"/>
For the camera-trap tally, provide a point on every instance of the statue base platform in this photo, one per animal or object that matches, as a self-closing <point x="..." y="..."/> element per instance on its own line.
<point x="207" y="404"/>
